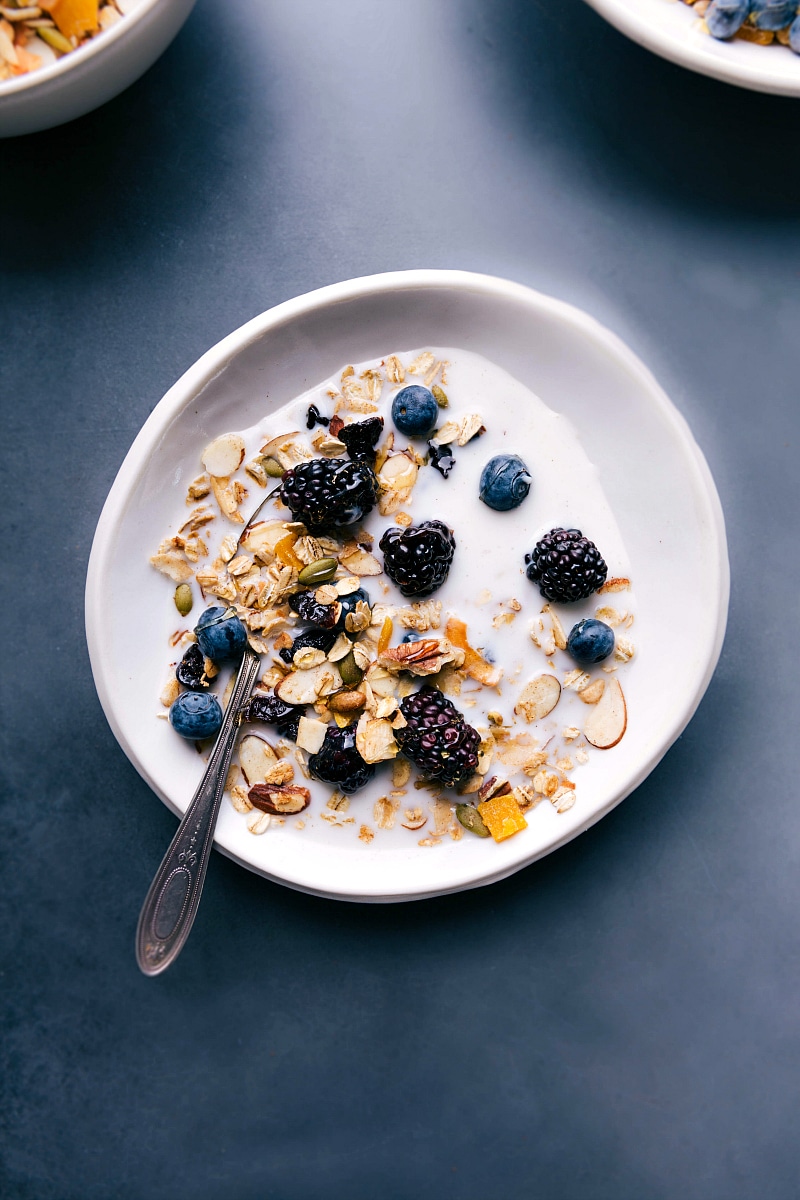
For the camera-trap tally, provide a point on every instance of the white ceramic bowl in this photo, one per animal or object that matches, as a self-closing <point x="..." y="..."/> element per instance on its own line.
<point x="86" y="78"/>
<point x="671" y="29"/>
<point x="652" y="472"/>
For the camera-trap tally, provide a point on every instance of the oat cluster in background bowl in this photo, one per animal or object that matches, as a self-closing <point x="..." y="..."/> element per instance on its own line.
<point x="60" y="59"/>
<point x="676" y="31"/>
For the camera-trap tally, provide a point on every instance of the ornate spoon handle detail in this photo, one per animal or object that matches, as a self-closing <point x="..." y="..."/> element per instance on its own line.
<point x="171" y="904"/>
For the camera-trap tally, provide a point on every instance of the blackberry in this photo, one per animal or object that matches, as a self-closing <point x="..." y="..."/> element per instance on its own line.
<point x="437" y="738"/>
<point x="418" y="559"/>
<point x="316" y="639"/>
<point x="361" y="439"/>
<point x="338" y="762"/>
<point x="273" y="711"/>
<point x="566" y="566"/>
<point x="325" y="492"/>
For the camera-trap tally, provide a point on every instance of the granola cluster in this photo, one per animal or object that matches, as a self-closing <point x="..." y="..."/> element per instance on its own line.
<point x="369" y="651"/>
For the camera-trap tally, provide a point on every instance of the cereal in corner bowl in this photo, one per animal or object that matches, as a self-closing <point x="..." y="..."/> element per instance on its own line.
<point x="422" y="554"/>
<point x="37" y="35"/>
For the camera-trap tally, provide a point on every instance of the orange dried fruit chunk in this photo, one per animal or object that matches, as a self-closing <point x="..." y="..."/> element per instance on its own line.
<point x="385" y="635"/>
<point x="75" y="18"/>
<point x="475" y="664"/>
<point x="502" y="816"/>
<point x="284" y="552"/>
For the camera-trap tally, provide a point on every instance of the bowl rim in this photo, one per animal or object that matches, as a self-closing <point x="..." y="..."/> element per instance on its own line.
<point x="208" y="365"/>
<point x="82" y="54"/>
<point x="734" y="70"/>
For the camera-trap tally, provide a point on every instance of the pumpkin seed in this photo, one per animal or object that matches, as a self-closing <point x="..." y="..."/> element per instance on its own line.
<point x="183" y="599"/>
<point x="272" y="466"/>
<point x="350" y="671"/>
<point x="56" y="40"/>
<point x="471" y="819"/>
<point x="317" y="572"/>
<point x="440" y="396"/>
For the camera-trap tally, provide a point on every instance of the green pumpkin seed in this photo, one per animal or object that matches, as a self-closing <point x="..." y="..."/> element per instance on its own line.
<point x="471" y="819"/>
<point x="349" y="670"/>
<point x="318" y="572"/>
<point x="440" y="396"/>
<point x="56" y="40"/>
<point x="183" y="599"/>
<point x="272" y="466"/>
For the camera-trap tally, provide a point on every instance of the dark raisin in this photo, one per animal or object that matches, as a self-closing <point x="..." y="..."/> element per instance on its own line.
<point x="273" y="711"/>
<point x="308" y="608"/>
<point x="318" y="639"/>
<point x="442" y="459"/>
<point x="190" y="671"/>
<point x="361" y="438"/>
<point x="315" y="417"/>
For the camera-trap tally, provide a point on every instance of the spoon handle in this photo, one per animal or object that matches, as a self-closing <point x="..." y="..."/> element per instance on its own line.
<point x="171" y="903"/>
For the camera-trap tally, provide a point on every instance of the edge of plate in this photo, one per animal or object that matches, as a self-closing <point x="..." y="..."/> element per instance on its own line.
<point x="218" y="356"/>
<point x="684" y="54"/>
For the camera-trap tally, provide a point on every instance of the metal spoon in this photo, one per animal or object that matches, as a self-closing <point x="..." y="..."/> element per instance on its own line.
<point x="171" y="904"/>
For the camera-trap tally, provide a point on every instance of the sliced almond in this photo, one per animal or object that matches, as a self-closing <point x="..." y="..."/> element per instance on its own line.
<point x="279" y="798"/>
<point x="305" y="687"/>
<point x="224" y="455"/>
<point x="608" y="720"/>
<point x="361" y="562"/>
<point x="593" y="691"/>
<point x="538" y="698"/>
<point x="256" y="757"/>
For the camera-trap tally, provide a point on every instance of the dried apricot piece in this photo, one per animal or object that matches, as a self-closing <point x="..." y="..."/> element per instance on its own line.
<point x="502" y="816"/>
<point x="74" y="18"/>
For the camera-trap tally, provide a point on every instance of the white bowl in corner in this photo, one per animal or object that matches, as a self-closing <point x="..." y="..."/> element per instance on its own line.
<point x="670" y="28"/>
<point x="651" y="469"/>
<point x="83" y="80"/>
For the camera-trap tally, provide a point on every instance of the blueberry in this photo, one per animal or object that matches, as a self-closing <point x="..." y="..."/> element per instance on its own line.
<point x="725" y="17"/>
<point x="221" y="638"/>
<point x="414" y="410"/>
<point x="590" y="641"/>
<point x="794" y="35"/>
<point x="412" y="637"/>
<point x="196" y="715"/>
<point x="505" y="482"/>
<point x="772" y="14"/>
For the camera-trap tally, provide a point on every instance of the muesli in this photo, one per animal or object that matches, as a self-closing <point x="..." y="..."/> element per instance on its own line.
<point x="443" y="646"/>
<point x="759" y="21"/>
<point x="37" y="35"/>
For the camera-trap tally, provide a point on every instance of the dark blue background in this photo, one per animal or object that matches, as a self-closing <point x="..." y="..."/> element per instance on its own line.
<point x="617" y="1022"/>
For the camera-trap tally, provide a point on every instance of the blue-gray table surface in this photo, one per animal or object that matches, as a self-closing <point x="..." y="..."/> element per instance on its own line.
<point x="617" y="1022"/>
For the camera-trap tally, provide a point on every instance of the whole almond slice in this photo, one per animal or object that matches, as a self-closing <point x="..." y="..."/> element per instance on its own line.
<point x="256" y="757"/>
<point x="608" y="720"/>
<point x="538" y="698"/>
<point x="224" y="455"/>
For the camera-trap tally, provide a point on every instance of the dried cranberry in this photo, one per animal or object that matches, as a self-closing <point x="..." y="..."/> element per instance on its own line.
<point x="361" y="438"/>
<point x="190" y="671"/>
<point x="317" y="639"/>
<point x="308" y="608"/>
